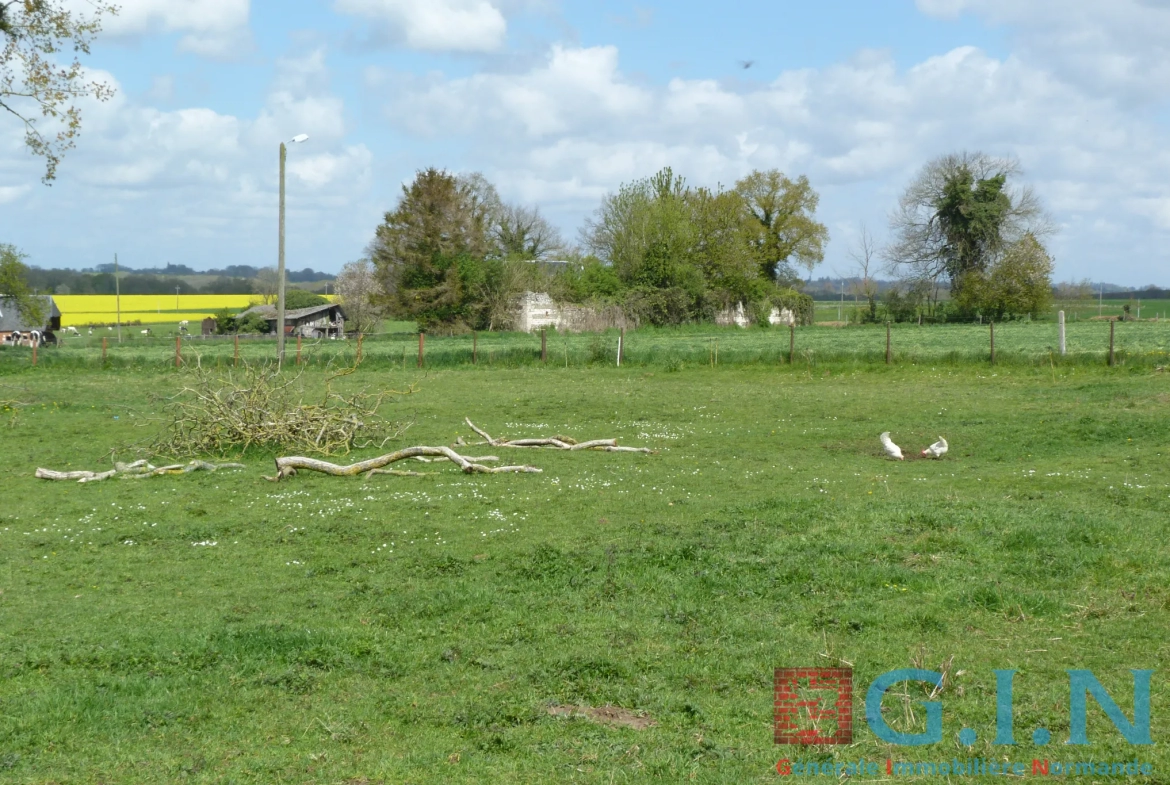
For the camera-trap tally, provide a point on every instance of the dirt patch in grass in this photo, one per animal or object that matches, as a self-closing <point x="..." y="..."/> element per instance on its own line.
<point x="613" y="716"/>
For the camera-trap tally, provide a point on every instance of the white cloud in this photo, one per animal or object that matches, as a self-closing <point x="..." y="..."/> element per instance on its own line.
<point x="435" y="25"/>
<point x="184" y="183"/>
<point x="574" y="86"/>
<point x="211" y="28"/>
<point x="1115" y="48"/>
<point x="10" y="193"/>
<point x="576" y="126"/>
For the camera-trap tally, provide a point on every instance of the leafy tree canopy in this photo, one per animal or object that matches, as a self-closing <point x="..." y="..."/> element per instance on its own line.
<point x="14" y="285"/>
<point x="958" y="215"/>
<point x="299" y="298"/>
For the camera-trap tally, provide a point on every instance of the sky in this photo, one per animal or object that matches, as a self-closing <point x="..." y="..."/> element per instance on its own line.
<point x="558" y="102"/>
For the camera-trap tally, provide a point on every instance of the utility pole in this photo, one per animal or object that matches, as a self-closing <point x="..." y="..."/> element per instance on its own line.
<point x="280" y="269"/>
<point x="1100" y="294"/>
<point x="118" y="297"/>
<point x="280" y="258"/>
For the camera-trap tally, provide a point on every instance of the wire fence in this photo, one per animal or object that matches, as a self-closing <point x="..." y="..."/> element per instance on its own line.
<point x="1144" y="343"/>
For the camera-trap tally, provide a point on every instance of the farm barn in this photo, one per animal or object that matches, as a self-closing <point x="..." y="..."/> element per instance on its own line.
<point x="12" y="323"/>
<point x="319" y="321"/>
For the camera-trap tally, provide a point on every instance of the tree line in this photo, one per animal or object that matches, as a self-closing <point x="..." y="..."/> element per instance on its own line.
<point x="453" y="256"/>
<point x="966" y="241"/>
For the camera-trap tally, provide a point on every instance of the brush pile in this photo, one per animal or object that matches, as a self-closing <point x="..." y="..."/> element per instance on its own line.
<point x="257" y="406"/>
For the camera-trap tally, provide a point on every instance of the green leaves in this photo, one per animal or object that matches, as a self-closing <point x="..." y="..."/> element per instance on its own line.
<point x="14" y="286"/>
<point x="683" y="253"/>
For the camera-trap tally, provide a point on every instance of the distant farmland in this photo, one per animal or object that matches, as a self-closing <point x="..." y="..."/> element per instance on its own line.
<point x="82" y="309"/>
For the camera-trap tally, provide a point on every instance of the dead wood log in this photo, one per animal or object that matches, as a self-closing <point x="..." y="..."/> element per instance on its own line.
<point x="134" y="471"/>
<point x="80" y="476"/>
<point x="288" y="465"/>
<point x="558" y="442"/>
<point x="399" y="473"/>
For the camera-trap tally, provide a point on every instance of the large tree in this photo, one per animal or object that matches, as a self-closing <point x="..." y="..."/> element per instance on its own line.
<point x="15" y="289"/>
<point x="521" y="232"/>
<point x="360" y="294"/>
<point x="959" y="215"/>
<point x="267" y="284"/>
<point x="35" y="87"/>
<point x="1018" y="283"/>
<point x="785" y="230"/>
<point x="429" y="250"/>
<point x="683" y="253"/>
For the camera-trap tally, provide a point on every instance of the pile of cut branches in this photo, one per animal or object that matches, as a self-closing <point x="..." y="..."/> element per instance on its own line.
<point x="257" y="406"/>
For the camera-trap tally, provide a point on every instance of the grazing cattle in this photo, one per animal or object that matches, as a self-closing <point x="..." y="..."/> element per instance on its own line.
<point x="73" y="331"/>
<point x="146" y="331"/>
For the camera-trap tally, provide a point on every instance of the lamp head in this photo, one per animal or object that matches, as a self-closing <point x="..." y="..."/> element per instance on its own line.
<point x="299" y="138"/>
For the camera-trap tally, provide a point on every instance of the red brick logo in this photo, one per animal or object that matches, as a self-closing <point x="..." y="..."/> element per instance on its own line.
<point x="814" y="705"/>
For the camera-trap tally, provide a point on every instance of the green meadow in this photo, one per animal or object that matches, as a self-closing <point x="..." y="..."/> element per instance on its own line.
<point x="396" y="347"/>
<point x="616" y="617"/>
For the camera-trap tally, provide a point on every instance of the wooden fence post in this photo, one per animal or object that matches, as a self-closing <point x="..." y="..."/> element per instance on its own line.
<point x="298" y="349"/>
<point x="421" y="341"/>
<point x="103" y="348"/>
<point x="887" y="343"/>
<point x="359" y="347"/>
<point x="991" y="325"/>
<point x="543" y="347"/>
<point x="474" y="348"/>
<point x="1060" y="330"/>
<point x="1111" y="323"/>
<point x="34" y="348"/>
<point x="178" y="350"/>
<point x="792" y="343"/>
<point x="236" y="357"/>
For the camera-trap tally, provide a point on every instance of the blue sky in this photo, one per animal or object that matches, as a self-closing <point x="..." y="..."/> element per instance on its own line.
<point x="557" y="103"/>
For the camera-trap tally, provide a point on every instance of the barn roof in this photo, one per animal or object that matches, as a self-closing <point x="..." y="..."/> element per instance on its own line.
<point x="10" y="315"/>
<point x="269" y="311"/>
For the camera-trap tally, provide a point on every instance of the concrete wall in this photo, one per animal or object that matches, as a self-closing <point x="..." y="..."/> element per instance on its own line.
<point x="737" y="315"/>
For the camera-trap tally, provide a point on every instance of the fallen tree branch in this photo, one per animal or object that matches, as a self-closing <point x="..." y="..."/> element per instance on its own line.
<point x="134" y="471"/>
<point x="557" y="442"/>
<point x="288" y="465"/>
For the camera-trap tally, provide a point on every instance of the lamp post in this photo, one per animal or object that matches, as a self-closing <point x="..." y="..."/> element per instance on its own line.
<point x="280" y="258"/>
<point x="176" y="298"/>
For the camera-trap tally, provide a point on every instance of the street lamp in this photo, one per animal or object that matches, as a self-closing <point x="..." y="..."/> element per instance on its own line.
<point x="280" y="258"/>
<point x="176" y="298"/>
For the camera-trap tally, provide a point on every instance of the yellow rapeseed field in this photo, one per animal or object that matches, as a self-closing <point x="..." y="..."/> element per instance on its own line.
<point x="82" y="309"/>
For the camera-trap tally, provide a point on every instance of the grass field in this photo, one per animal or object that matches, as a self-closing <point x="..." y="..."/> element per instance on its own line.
<point x="1074" y="310"/>
<point x="219" y="628"/>
<point x="1144" y="343"/>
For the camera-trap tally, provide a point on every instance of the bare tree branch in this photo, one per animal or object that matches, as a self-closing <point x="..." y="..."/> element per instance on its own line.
<point x="34" y="31"/>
